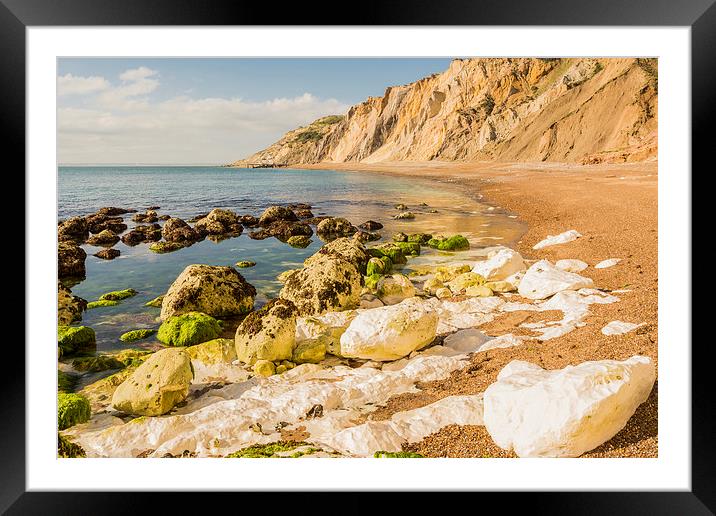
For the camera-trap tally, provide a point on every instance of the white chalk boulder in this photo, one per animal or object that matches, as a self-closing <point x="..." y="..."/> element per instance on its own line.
<point x="543" y="279"/>
<point x="389" y="332"/>
<point x="619" y="328"/>
<point x="571" y="265"/>
<point x="500" y="265"/>
<point x="562" y="238"/>
<point x="564" y="412"/>
<point x="604" y="264"/>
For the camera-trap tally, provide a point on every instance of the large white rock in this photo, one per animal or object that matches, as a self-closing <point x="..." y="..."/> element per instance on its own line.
<point x="466" y="341"/>
<point x="395" y="288"/>
<point x="389" y="332"/>
<point x="562" y="238"/>
<point x="543" y="279"/>
<point x="607" y="263"/>
<point x="619" y="327"/>
<point x="501" y="265"/>
<point x="564" y="412"/>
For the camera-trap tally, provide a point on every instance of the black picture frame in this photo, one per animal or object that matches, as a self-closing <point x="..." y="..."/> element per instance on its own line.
<point x="699" y="15"/>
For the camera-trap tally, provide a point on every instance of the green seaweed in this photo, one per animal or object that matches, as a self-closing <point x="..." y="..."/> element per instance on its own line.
<point x="453" y="243"/>
<point x="156" y="302"/>
<point x="65" y="382"/>
<point x="72" y="409"/>
<point x="188" y="329"/>
<point x="66" y="449"/>
<point x="101" y="303"/>
<point x="118" y="295"/>
<point x="246" y="263"/>
<point x="409" y="248"/>
<point x="96" y="364"/>
<point x="73" y="339"/>
<point x="135" y="335"/>
<point x="264" y="451"/>
<point x="397" y="455"/>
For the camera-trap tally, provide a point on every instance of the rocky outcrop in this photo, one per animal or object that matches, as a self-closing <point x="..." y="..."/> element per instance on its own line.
<point x="69" y="307"/>
<point x="216" y="291"/>
<point x="176" y="230"/>
<point x="70" y="260"/>
<point x="526" y="109"/>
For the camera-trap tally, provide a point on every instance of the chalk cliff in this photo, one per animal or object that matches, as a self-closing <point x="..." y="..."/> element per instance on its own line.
<point x="581" y="110"/>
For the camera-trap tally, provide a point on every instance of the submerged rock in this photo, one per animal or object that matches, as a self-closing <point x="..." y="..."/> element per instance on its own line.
<point x="390" y="332"/>
<point x="69" y="307"/>
<point x="335" y="227"/>
<point x="111" y="211"/>
<point x="564" y="412"/>
<point x="378" y="266"/>
<point x="98" y="222"/>
<point x="148" y="216"/>
<point x="176" y="230"/>
<point x="73" y="229"/>
<point x="72" y="409"/>
<point x="188" y="328"/>
<point x="166" y="247"/>
<point x="404" y="215"/>
<point x="213" y="290"/>
<point x="156" y="386"/>
<point x="140" y="234"/>
<point x="300" y="241"/>
<point x="453" y="243"/>
<point x="118" y="295"/>
<point x="268" y="334"/>
<point x="107" y="254"/>
<point x="543" y="279"/>
<point x="249" y="221"/>
<point x="101" y="304"/>
<point x="283" y="231"/>
<point x="135" y="335"/>
<point x="276" y="213"/>
<point x="245" y="264"/>
<point x="70" y="261"/>
<point x="400" y="237"/>
<point x="371" y="225"/>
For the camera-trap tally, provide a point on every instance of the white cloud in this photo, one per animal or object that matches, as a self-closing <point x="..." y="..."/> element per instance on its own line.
<point x="68" y="84"/>
<point x="120" y="125"/>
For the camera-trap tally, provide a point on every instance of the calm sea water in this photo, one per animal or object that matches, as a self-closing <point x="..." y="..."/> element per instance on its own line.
<point x="187" y="191"/>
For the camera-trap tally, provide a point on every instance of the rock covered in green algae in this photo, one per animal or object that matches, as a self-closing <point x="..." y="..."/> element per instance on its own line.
<point x="135" y="335"/>
<point x="101" y="304"/>
<point x="69" y="307"/>
<point x="400" y="237"/>
<point x="100" y="392"/>
<point x="263" y="451"/>
<point x="267" y="334"/>
<point x="118" y="295"/>
<point x="397" y="455"/>
<point x="264" y="368"/>
<point x="345" y="248"/>
<point x="409" y="248"/>
<point x="405" y="215"/>
<point x="189" y="328"/>
<point x="132" y="357"/>
<point x="420" y="238"/>
<point x="378" y="266"/>
<point x="72" y="409"/>
<point x="104" y="237"/>
<point x="216" y="351"/>
<point x="65" y="382"/>
<point x="213" y="290"/>
<point x="156" y="302"/>
<point x="166" y="247"/>
<point x="75" y="339"/>
<point x="453" y="243"/>
<point x="371" y="282"/>
<point x="157" y="385"/>
<point x="66" y="449"/>
<point x="70" y="260"/>
<point x="447" y="273"/>
<point x="299" y="241"/>
<point x="464" y="281"/>
<point x="391" y="250"/>
<point x="96" y="363"/>
<point x="335" y="227"/>
<point x="245" y="264"/>
<point x="309" y="351"/>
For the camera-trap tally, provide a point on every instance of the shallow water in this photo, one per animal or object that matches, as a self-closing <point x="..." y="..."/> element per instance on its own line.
<point x="187" y="191"/>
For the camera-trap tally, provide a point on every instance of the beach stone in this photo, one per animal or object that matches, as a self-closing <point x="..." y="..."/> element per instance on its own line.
<point x="431" y="285"/>
<point x="96" y="363"/>
<point x="404" y="215"/>
<point x="420" y="238"/>
<point x="335" y="227"/>
<point x="264" y="368"/>
<point x="275" y="213"/>
<point x="564" y="412"/>
<point x="443" y="293"/>
<point x="303" y="213"/>
<point x="112" y="211"/>
<point x="369" y="301"/>
<point x="500" y="286"/>
<point x="366" y="236"/>
<point x="464" y="281"/>
<point x="400" y="237"/>
<point x="562" y="238"/>
<point x="543" y="279"/>
<point x="345" y="248"/>
<point x="215" y="351"/>
<point x="478" y="291"/>
<point x="299" y="241"/>
<point x="72" y="409"/>
<point x="75" y="339"/>
<point x="74" y="229"/>
<point x="156" y="386"/>
<point x="135" y="335"/>
<point x="371" y="225"/>
<point x="468" y="340"/>
<point x="391" y="250"/>
<point x="619" y="328"/>
<point x="166" y="247"/>
<point x="107" y="254"/>
<point x="571" y="265"/>
<point x="401" y="206"/>
<point x="69" y="307"/>
<point x="500" y="265"/>
<point x="389" y="332"/>
<point x="283" y="230"/>
<point x="156" y="302"/>
<point x="249" y="220"/>
<point x="176" y="230"/>
<point x="98" y="222"/>
<point x="446" y="273"/>
<point x="118" y="295"/>
<point x="267" y="334"/>
<point x="611" y="262"/>
<point x="104" y="237"/>
<point x="220" y="222"/>
<point x="393" y="289"/>
<point x="188" y="328"/>
<point x="409" y="248"/>
<point x="329" y="284"/>
<point x="377" y="266"/>
<point x="148" y="216"/>
<point x="70" y="260"/>
<point x="214" y="290"/>
<point x="309" y="352"/>
<point x="326" y="329"/>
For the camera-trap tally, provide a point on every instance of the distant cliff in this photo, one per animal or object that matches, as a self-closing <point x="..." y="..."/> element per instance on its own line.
<point x="580" y="110"/>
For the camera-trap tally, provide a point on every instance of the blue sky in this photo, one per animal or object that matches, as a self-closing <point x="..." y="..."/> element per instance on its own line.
<point x="207" y="110"/>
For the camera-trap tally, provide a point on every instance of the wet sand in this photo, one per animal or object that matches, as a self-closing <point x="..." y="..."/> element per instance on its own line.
<point x="614" y="207"/>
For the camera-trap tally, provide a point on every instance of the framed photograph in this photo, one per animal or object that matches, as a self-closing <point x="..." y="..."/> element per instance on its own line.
<point x="452" y="239"/>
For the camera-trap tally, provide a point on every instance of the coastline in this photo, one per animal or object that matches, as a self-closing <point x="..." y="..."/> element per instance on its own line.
<point x="614" y="207"/>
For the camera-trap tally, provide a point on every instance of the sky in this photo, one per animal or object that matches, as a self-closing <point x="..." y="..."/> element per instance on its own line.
<point x="207" y="111"/>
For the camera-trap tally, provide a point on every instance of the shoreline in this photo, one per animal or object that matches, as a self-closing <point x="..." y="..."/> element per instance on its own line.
<point x="614" y="207"/>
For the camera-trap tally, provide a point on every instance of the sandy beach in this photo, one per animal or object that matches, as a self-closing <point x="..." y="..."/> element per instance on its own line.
<point x="614" y="207"/>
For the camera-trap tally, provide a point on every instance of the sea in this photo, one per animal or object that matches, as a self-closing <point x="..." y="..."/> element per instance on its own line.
<point x="440" y="207"/>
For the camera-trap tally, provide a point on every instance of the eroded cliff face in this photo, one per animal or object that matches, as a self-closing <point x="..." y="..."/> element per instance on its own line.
<point x="568" y="110"/>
